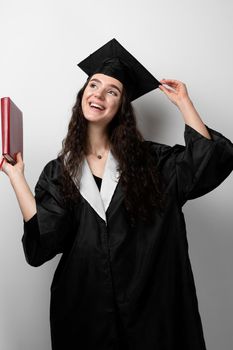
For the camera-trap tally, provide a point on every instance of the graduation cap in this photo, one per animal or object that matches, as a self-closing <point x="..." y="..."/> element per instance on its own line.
<point x="114" y="60"/>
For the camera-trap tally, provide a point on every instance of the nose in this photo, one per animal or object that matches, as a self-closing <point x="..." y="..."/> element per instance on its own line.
<point x="99" y="94"/>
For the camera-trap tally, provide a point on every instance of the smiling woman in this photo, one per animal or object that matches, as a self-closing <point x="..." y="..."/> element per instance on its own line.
<point x="103" y="121"/>
<point x="111" y="203"/>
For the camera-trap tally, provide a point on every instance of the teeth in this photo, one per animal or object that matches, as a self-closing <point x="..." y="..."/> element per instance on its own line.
<point x="95" y="105"/>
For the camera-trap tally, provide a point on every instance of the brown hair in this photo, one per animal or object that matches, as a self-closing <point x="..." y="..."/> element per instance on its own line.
<point x="139" y="179"/>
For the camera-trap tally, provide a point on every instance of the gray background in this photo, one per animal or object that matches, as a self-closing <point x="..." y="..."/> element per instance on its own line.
<point x="41" y="43"/>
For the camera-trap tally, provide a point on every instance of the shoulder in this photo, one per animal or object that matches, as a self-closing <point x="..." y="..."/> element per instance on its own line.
<point x="52" y="169"/>
<point x="164" y="155"/>
<point x="50" y="181"/>
<point x="155" y="146"/>
<point x="51" y="174"/>
<point x="160" y="149"/>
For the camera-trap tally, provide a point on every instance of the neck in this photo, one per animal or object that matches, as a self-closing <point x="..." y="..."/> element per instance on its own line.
<point x="98" y="141"/>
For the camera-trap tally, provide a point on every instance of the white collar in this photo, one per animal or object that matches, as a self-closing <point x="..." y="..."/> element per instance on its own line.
<point x="99" y="200"/>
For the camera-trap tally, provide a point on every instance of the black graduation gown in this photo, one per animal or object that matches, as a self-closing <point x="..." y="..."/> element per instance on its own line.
<point x="121" y="288"/>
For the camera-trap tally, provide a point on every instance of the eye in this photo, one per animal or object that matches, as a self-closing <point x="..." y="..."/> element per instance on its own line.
<point x="112" y="93"/>
<point x="92" y="85"/>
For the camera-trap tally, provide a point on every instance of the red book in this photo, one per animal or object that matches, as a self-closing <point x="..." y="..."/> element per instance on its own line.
<point x="12" y="130"/>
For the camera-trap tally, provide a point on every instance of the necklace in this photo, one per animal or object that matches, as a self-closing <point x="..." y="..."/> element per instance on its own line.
<point x="99" y="155"/>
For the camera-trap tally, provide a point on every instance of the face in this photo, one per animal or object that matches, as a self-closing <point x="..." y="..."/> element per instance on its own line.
<point x="101" y="99"/>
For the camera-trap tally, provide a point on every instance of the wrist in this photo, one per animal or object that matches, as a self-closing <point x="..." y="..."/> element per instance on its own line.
<point x="185" y="104"/>
<point x="17" y="177"/>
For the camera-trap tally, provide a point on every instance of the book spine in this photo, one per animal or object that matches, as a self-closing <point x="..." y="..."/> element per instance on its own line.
<point x="5" y="114"/>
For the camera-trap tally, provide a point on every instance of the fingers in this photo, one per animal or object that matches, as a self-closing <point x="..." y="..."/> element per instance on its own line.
<point x="19" y="157"/>
<point x="2" y="159"/>
<point x="175" y="90"/>
<point x="171" y="81"/>
<point x="169" y="89"/>
<point x="173" y="86"/>
<point x="19" y="162"/>
<point x="4" y="165"/>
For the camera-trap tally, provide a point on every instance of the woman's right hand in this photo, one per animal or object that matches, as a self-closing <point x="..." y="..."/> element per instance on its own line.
<point x="12" y="170"/>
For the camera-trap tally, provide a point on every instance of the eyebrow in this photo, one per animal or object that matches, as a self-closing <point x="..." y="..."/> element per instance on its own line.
<point x="111" y="85"/>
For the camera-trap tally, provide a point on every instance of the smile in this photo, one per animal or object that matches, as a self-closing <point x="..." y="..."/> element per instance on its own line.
<point x="97" y="106"/>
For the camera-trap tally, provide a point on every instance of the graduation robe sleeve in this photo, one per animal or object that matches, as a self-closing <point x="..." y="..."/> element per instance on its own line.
<point x="45" y="234"/>
<point x="199" y="166"/>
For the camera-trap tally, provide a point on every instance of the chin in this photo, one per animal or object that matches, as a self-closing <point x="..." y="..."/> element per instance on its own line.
<point x="97" y="121"/>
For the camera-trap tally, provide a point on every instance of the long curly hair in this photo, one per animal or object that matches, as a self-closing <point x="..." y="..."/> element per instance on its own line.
<point x="140" y="178"/>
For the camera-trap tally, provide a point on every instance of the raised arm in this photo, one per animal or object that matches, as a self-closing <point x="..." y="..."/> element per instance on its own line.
<point x="23" y="193"/>
<point x="177" y="93"/>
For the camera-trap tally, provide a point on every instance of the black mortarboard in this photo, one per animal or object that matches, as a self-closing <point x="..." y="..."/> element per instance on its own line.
<point x="114" y="60"/>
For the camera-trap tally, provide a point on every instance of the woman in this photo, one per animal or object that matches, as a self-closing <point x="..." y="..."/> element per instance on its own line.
<point x="111" y="203"/>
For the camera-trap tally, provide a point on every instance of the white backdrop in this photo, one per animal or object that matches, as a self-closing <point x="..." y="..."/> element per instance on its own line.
<point x="41" y="43"/>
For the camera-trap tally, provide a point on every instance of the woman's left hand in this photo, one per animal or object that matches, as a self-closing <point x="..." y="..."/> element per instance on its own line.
<point x="176" y="91"/>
